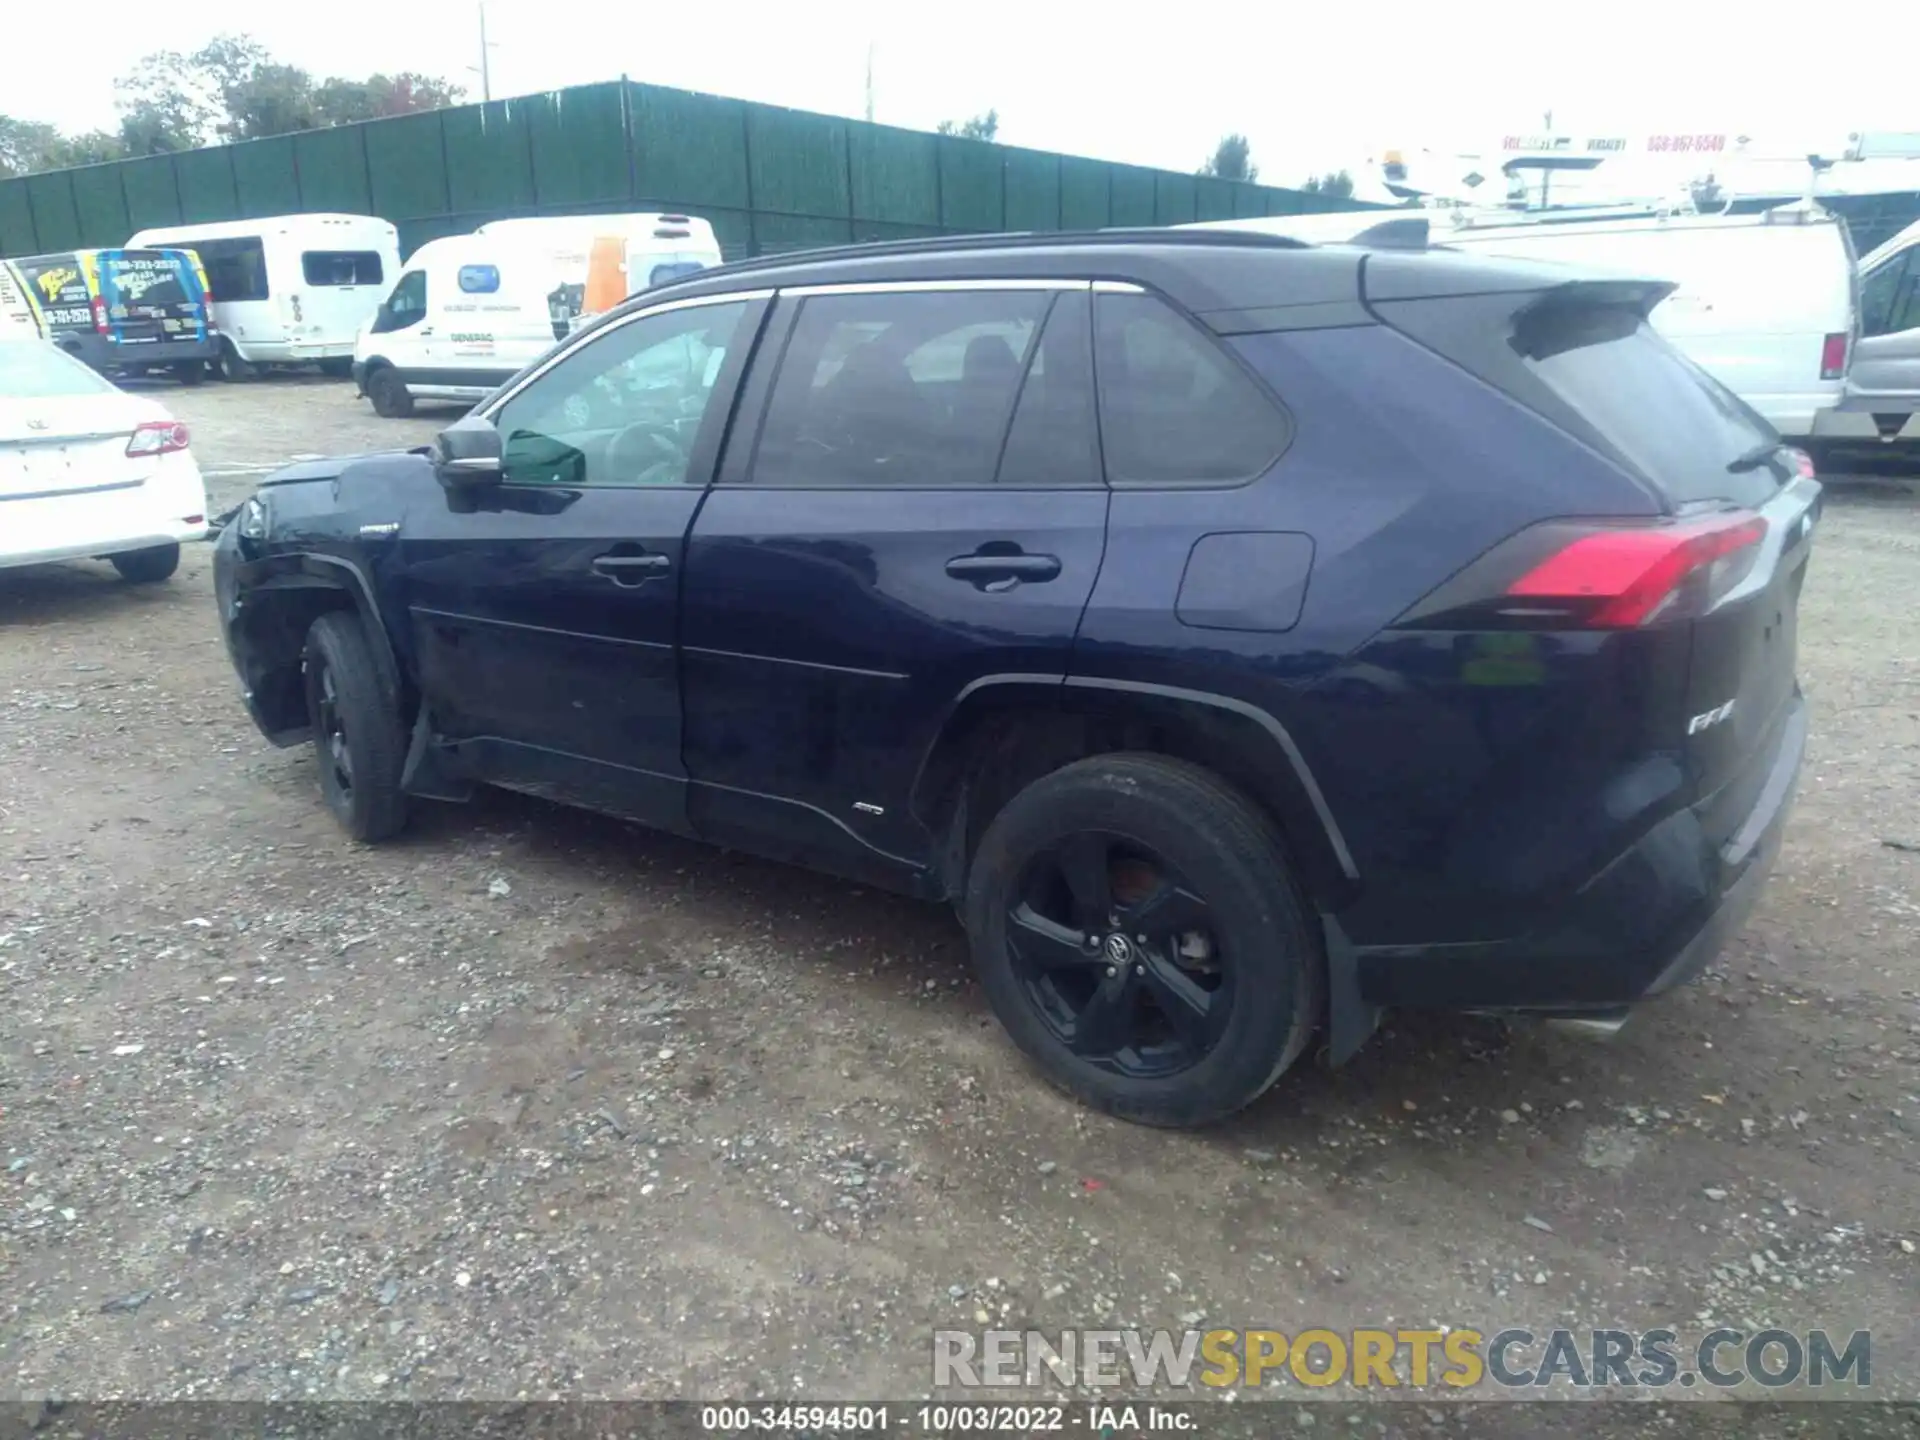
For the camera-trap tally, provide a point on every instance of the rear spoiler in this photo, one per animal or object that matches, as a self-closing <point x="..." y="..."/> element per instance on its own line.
<point x="1639" y="296"/>
<point x="1390" y="274"/>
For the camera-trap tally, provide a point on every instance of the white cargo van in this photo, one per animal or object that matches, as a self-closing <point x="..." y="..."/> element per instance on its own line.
<point x="1764" y="304"/>
<point x="659" y="247"/>
<point x="1882" y="406"/>
<point x="289" y="289"/>
<point x="470" y="311"/>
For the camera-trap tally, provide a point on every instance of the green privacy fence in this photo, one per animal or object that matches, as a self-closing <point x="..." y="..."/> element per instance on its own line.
<point x="768" y="178"/>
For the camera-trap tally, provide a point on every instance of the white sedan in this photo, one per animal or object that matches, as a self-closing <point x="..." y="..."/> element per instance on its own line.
<point x="89" y="470"/>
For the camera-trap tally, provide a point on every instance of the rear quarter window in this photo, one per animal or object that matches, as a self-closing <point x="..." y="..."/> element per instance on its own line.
<point x="1176" y="409"/>
<point x="1601" y="373"/>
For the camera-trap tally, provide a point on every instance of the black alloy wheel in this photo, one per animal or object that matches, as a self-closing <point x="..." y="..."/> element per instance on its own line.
<point x="1119" y="956"/>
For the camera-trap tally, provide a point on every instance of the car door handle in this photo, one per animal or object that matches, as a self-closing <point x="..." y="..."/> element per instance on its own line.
<point x="1003" y="571"/>
<point x="631" y="569"/>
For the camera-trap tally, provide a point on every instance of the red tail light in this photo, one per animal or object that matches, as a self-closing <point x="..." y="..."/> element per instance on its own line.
<point x="1801" y="461"/>
<point x="99" y="314"/>
<point x="1567" y="575"/>
<point x="1617" y="579"/>
<point x="157" y="437"/>
<point x="1833" y="357"/>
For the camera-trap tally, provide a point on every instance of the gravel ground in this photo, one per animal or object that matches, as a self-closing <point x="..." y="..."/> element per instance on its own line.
<point x="536" y="1103"/>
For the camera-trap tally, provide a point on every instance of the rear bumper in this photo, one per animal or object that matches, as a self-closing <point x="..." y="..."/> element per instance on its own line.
<point x="161" y="352"/>
<point x="1653" y="919"/>
<point x="170" y="506"/>
<point x="1860" y="419"/>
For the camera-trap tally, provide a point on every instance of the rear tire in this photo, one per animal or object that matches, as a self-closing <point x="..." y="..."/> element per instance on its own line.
<point x="149" y="566"/>
<point x="190" y="372"/>
<point x="1224" y="993"/>
<point x="358" y="740"/>
<point x="389" y="394"/>
<point x="337" y="369"/>
<point x="233" y="368"/>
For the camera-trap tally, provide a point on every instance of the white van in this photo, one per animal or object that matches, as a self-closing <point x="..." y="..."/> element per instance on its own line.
<point x="1883" y="387"/>
<point x="1764" y="304"/>
<point x="18" y="320"/>
<point x="469" y="312"/>
<point x="289" y="289"/>
<point x="659" y="247"/>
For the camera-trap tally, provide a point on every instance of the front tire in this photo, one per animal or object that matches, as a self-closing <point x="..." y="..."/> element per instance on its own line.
<point x="1137" y="929"/>
<point x="149" y="566"/>
<point x="357" y="736"/>
<point x="389" y="394"/>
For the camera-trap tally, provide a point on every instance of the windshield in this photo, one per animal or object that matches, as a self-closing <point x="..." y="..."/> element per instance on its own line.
<point x="35" y="370"/>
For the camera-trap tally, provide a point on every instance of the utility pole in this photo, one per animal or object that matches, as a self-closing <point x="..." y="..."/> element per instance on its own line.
<point x="869" y="82"/>
<point x="486" y="64"/>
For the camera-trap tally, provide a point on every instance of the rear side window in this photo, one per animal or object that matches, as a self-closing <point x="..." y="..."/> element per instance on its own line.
<point x="1174" y="408"/>
<point x="913" y="389"/>
<point x="1052" y="440"/>
<point x="341" y="267"/>
<point x="236" y="267"/>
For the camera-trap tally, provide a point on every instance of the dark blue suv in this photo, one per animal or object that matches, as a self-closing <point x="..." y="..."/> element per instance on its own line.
<point x="1243" y="636"/>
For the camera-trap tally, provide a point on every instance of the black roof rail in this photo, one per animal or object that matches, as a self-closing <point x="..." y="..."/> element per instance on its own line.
<point x="995" y="240"/>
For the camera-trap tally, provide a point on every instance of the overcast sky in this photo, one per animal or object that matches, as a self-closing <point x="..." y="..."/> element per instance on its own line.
<point x="1316" y="86"/>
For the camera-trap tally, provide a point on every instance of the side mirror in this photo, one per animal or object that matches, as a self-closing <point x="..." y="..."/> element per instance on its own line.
<point x="467" y="454"/>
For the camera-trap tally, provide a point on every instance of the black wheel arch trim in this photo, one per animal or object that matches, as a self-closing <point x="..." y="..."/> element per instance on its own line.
<point x="1343" y="856"/>
<point x="1265" y="720"/>
<point x="311" y="570"/>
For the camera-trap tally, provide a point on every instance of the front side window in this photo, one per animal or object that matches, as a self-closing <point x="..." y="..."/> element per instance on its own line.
<point x="341" y="267"/>
<point x="912" y="389"/>
<point x="1174" y="408"/>
<point x="1882" y="290"/>
<point x="626" y="407"/>
<point x="406" y="306"/>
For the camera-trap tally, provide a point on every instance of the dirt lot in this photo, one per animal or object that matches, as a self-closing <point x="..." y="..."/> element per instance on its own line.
<point x="537" y="1103"/>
